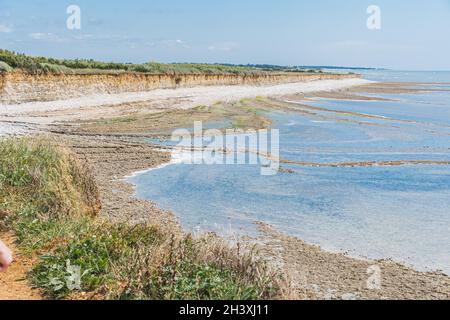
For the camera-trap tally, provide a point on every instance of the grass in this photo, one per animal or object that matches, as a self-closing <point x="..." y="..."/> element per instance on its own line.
<point x="252" y="116"/>
<point x="10" y="61"/>
<point x="50" y="200"/>
<point x="14" y="61"/>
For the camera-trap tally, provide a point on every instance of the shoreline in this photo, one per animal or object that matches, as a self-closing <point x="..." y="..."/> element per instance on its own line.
<point x="291" y="255"/>
<point x="313" y="272"/>
<point x="44" y="114"/>
<point x="262" y="225"/>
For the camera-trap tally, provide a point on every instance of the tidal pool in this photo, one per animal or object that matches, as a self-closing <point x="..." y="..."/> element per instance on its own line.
<point x="379" y="212"/>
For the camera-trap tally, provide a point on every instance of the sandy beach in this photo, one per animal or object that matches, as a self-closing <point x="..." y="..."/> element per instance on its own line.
<point x="20" y="118"/>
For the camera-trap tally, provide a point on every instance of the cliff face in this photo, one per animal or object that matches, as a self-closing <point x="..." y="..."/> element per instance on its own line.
<point x="17" y="87"/>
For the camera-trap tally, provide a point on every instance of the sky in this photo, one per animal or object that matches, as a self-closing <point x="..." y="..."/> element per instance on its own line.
<point x="414" y="34"/>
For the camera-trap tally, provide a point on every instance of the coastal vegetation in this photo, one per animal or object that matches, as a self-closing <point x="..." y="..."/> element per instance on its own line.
<point x="10" y="61"/>
<point x="14" y="61"/>
<point x="51" y="202"/>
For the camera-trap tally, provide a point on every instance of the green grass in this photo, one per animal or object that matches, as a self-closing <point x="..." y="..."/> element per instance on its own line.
<point x="95" y="251"/>
<point x="14" y="61"/>
<point x="10" y="61"/>
<point x="49" y="199"/>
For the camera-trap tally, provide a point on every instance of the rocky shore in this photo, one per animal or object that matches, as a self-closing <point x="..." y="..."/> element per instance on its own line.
<point x="311" y="272"/>
<point x="108" y="136"/>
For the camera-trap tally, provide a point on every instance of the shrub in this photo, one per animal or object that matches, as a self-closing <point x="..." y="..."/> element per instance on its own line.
<point x="4" y="67"/>
<point x="37" y="173"/>
<point x="50" y="65"/>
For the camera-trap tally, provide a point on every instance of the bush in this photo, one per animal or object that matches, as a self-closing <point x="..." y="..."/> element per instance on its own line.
<point x="50" y="65"/>
<point x="38" y="173"/>
<point x="4" y="67"/>
<point x="54" y="68"/>
<point x="189" y="268"/>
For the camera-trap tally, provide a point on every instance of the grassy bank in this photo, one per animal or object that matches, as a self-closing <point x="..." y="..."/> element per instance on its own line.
<point x="10" y="61"/>
<point x="50" y="200"/>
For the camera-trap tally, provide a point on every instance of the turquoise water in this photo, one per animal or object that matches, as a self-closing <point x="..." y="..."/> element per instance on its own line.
<point x="398" y="212"/>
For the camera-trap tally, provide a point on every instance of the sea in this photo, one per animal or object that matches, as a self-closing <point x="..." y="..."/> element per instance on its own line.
<point x="398" y="212"/>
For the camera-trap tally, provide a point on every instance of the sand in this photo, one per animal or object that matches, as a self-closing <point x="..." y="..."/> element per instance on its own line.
<point x="35" y="116"/>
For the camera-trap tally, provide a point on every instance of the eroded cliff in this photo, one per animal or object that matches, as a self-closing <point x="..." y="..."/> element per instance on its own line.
<point x="19" y="87"/>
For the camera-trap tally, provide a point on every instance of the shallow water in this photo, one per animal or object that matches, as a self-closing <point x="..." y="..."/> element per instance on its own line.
<point x="399" y="212"/>
<point x="401" y="75"/>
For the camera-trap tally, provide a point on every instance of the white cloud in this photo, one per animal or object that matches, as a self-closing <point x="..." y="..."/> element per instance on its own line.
<point x="223" y="46"/>
<point x="40" y="36"/>
<point x="175" y="43"/>
<point x="122" y="40"/>
<point x="50" y="37"/>
<point x="5" y="29"/>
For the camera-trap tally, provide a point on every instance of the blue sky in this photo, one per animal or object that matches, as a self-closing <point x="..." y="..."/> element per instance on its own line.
<point x="414" y="33"/>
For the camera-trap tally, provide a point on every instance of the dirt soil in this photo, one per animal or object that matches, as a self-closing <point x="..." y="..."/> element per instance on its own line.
<point x="13" y="284"/>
